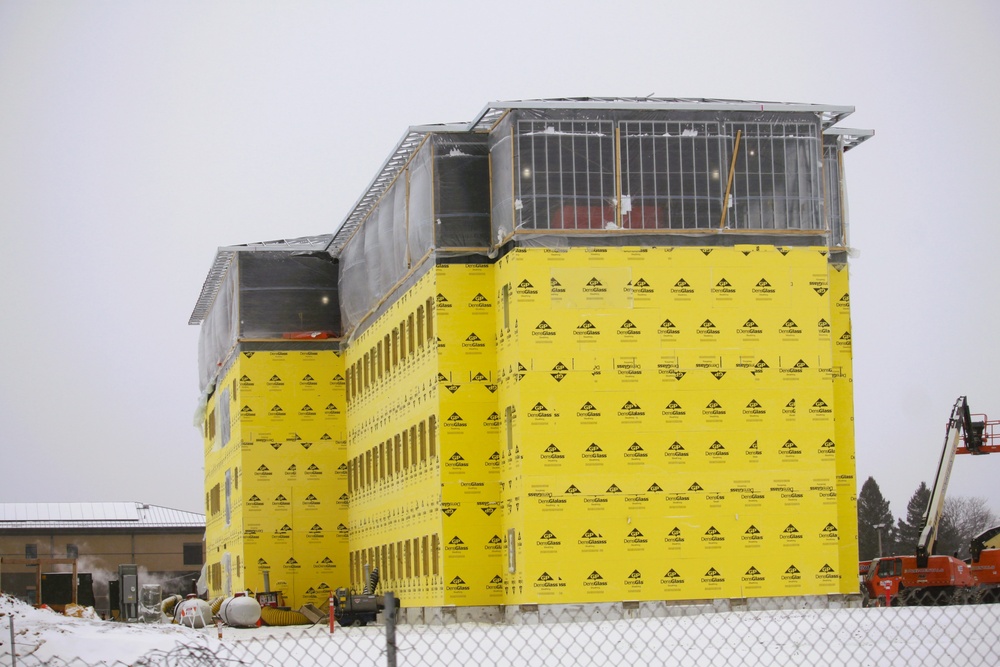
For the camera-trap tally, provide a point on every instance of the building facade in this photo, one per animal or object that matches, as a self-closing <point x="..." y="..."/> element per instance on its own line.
<point x="166" y="544"/>
<point x="592" y="351"/>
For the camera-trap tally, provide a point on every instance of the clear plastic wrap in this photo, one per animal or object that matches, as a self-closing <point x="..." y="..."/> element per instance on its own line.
<point x="378" y="278"/>
<point x="626" y="171"/>
<point x="218" y="331"/>
<point x="565" y="174"/>
<point x="461" y="191"/>
<point x="375" y="259"/>
<point x="354" y="292"/>
<point x="673" y="174"/>
<point x="269" y="295"/>
<point x="399" y="240"/>
<point x="501" y="170"/>
<point x="833" y="171"/>
<point x="420" y="213"/>
<point x="596" y="176"/>
<point x="287" y="295"/>
<point x="777" y="181"/>
<point x="439" y="200"/>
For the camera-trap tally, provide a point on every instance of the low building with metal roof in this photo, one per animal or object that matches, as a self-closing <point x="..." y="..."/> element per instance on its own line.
<point x="166" y="544"/>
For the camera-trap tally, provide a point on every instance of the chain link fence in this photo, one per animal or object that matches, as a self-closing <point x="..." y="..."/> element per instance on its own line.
<point x="581" y="636"/>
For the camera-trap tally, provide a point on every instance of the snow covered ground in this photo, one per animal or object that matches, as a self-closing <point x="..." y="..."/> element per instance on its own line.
<point x="968" y="635"/>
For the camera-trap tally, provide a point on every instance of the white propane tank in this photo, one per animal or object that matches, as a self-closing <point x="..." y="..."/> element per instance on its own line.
<point x="193" y="612"/>
<point x="240" y="612"/>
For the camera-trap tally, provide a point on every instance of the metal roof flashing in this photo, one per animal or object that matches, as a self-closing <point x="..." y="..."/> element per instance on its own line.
<point x="829" y="114"/>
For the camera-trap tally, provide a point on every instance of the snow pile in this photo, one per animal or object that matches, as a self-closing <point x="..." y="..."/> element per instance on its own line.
<point x="44" y="634"/>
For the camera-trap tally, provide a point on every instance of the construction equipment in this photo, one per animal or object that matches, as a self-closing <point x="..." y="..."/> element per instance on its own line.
<point x="960" y="425"/>
<point x="352" y="608"/>
<point x="925" y="578"/>
<point x="900" y="580"/>
<point x="988" y="539"/>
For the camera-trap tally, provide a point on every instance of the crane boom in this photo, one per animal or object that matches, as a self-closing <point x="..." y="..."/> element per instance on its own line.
<point x="960" y="425"/>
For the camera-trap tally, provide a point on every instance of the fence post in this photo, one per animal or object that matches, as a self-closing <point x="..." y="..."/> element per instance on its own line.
<point x="13" y="653"/>
<point x="390" y="629"/>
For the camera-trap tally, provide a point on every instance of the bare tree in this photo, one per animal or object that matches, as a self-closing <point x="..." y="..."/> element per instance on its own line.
<point x="963" y="518"/>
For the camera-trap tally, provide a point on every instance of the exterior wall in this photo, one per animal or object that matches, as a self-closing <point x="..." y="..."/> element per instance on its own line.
<point x="681" y="424"/>
<point x="470" y="435"/>
<point x="223" y="502"/>
<point x="275" y="486"/>
<point x="843" y="388"/>
<point x="607" y="424"/>
<point x="159" y="555"/>
<point x="394" y="452"/>
<point x="157" y="552"/>
<point x="424" y="508"/>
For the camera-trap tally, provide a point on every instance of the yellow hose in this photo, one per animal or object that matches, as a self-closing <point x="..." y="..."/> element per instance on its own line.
<point x="167" y="606"/>
<point x="272" y="616"/>
<point x="215" y="604"/>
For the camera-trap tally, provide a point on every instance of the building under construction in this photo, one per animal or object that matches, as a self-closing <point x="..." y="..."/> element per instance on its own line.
<point x="573" y="351"/>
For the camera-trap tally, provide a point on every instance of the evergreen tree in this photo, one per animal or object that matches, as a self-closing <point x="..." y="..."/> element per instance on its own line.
<point x="909" y="530"/>
<point x="961" y="520"/>
<point x="873" y="510"/>
<point x="949" y="539"/>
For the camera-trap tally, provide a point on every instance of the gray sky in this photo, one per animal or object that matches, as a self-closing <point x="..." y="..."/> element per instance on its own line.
<point x="136" y="138"/>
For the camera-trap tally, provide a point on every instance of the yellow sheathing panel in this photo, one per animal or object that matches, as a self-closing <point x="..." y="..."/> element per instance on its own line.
<point x="602" y="424"/>
<point x="672" y="424"/>
<point x="424" y="438"/>
<point x="287" y="466"/>
<point x="223" y="532"/>
<point x="843" y="383"/>
<point x="470" y="434"/>
<point x="395" y="449"/>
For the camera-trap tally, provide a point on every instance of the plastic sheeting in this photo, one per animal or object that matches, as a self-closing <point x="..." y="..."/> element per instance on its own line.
<point x="461" y="191"/>
<point x="438" y="201"/>
<point x="613" y="171"/>
<point x="420" y="208"/>
<point x="382" y="250"/>
<point x="218" y="331"/>
<point x="501" y="175"/>
<point x="285" y="295"/>
<point x="269" y="295"/>
<point x="607" y="175"/>
<point x="835" y="190"/>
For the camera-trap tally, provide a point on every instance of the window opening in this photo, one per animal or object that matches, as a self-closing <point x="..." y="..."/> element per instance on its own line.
<point x="420" y="326"/>
<point x="432" y="429"/>
<point x="430" y="320"/>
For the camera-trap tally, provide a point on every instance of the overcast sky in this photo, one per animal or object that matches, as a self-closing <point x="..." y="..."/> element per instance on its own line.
<point x="136" y="138"/>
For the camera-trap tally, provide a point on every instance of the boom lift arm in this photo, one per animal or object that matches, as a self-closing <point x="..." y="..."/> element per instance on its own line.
<point x="960" y="426"/>
<point x="988" y="539"/>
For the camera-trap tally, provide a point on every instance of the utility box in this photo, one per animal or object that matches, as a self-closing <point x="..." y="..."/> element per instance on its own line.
<point x="128" y="593"/>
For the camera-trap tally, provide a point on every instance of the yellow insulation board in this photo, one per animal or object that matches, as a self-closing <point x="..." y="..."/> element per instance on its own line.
<point x="288" y="474"/>
<point x="641" y="423"/>
<point x="470" y="435"/>
<point x="395" y="449"/>
<point x="685" y="403"/>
